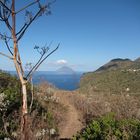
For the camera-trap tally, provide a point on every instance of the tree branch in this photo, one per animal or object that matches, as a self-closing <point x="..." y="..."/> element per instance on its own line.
<point x="27" y="6"/>
<point x="5" y="19"/>
<point x="21" y="29"/>
<point x="31" y="73"/>
<point x="7" y="45"/>
<point x="18" y="61"/>
<point x="6" y="55"/>
<point x="5" y="37"/>
<point x="36" y="15"/>
<point x="22" y="33"/>
<point x="8" y="24"/>
<point x="47" y="56"/>
<point x="3" y="5"/>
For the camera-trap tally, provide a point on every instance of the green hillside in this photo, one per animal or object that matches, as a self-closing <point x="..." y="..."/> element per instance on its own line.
<point x="115" y="64"/>
<point x="116" y="77"/>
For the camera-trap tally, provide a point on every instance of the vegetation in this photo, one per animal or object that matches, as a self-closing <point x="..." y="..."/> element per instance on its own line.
<point x="10" y="103"/>
<point x="115" y="64"/>
<point x="114" y="87"/>
<point x="125" y="78"/>
<point x="44" y="117"/>
<point x="97" y="105"/>
<point x="108" y="127"/>
<point x="114" y="90"/>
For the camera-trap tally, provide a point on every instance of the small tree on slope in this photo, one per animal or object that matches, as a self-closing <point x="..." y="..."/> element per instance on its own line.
<point x="11" y="35"/>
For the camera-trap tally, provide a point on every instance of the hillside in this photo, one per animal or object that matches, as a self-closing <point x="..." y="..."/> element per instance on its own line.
<point x="52" y="115"/>
<point x="60" y="114"/>
<point x="117" y="77"/>
<point x="115" y="64"/>
<point x="44" y="116"/>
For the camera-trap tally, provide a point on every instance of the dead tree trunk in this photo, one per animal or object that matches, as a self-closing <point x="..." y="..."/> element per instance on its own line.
<point x="19" y="69"/>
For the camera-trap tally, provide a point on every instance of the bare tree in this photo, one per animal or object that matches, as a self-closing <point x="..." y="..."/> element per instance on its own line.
<point x="12" y="35"/>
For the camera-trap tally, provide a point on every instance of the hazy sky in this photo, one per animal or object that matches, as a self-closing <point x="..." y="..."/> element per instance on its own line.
<point x="91" y="32"/>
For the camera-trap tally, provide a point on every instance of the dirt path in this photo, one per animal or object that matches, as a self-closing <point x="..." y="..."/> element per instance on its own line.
<point x="72" y="122"/>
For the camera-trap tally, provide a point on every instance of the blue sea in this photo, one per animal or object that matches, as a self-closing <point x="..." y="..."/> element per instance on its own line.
<point x="66" y="82"/>
<point x="61" y="81"/>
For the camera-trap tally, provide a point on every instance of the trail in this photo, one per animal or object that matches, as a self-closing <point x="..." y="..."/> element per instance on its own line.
<point x="72" y="122"/>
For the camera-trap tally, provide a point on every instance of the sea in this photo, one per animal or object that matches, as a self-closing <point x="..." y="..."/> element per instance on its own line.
<point x="60" y="81"/>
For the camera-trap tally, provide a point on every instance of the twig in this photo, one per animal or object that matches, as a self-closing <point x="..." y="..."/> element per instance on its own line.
<point x="42" y="61"/>
<point x="22" y="33"/>
<point x="21" y="29"/>
<point x="26" y="7"/>
<point x="8" y="47"/>
<point x="6" y="55"/>
<point x="34" y="66"/>
<point x="4" y="36"/>
<point x="5" y="6"/>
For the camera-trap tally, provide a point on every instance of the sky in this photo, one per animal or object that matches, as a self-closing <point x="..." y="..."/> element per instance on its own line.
<point x="90" y="33"/>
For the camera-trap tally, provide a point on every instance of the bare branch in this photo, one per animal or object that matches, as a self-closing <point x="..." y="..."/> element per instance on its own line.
<point x="6" y="55"/>
<point x="41" y="11"/>
<point x="47" y="56"/>
<point x="22" y="33"/>
<point x="26" y="6"/>
<point x="8" y="24"/>
<point x="1" y="15"/>
<point x="31" y="73"/>
<point x="3" y="5"/>
<point x="4" y="15"/>
<point x="21" y="29"/>
<point x="43" y="51"/>
<point x="3" y="37"/>
<point x="7" y="45"/>
<point x="39" y="5"/>
<point x="9" y="13"/>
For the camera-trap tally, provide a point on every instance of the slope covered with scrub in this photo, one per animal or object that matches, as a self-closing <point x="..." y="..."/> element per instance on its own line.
<point x="117" y="77"/>
<point x="43" y="118"/>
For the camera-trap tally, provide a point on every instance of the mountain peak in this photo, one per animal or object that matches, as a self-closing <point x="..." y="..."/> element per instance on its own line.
<point x="65" y="70"/>
<point x="120" y="60"/>
<point x="115" y="64"/>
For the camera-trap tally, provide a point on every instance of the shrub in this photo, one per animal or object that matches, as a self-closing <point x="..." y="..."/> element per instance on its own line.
<point x="108" y="128"/>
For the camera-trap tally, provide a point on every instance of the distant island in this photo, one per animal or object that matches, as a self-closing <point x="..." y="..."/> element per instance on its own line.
<point x="65" y="70"/>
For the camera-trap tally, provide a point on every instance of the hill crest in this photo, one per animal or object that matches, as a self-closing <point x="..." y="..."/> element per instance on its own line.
<point x="115" y="64"/>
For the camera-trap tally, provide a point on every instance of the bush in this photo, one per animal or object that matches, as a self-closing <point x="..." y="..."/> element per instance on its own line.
<point x="42" y="117"/>
<point x="108" y="128"/>
<point x="10" y="102"/>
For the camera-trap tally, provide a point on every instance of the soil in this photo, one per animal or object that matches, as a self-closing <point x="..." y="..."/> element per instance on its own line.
<point x="72" y="122"/>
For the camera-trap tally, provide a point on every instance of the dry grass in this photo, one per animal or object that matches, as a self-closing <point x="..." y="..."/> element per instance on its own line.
<point x="49" y="101"/>
<point x="46" y="115"/>
<point x="96" y="105"/>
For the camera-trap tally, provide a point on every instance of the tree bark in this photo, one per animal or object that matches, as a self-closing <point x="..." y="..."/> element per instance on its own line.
<point x="24" y="118"/>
